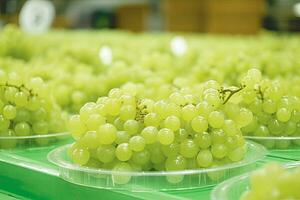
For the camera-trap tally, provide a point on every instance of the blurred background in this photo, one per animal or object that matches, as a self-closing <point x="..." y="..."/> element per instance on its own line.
<point x="211" y="16"/>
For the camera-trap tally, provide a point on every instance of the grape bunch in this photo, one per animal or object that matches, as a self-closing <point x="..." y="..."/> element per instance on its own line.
<point x="274" y="182"/>
<point x="276" y="113"/>
<point x="184" y="131"/>
<point x="26" y="109"/>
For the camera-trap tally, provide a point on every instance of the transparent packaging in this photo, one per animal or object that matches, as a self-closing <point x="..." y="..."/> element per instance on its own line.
<point x="283" y="143"/>
<point x="153" y="180"/>
<point x="19" y="142"/>
<point x="233" y="188"/>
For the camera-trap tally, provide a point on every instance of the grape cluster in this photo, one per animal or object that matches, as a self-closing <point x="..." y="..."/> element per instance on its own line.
<point x="184" y="131"/>
<point x="274" y="182"/>
<point x="67" y="60"/>
<point x="26" y="109"/>
<point x="275" y="112"/>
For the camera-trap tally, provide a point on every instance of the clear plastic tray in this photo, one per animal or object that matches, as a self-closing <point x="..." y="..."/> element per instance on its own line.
<point x="233" y="188"/>
<point x="282" y="143"/>
<point x="20" y="142"/>
<point x="153" y="180"/>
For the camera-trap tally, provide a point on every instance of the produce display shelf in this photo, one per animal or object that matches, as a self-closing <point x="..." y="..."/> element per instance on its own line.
<point x="27" y="174"/>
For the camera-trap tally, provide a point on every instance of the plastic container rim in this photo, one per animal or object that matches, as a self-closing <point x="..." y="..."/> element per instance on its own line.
<point x="219" y="190"/>
<point x="34" y="136"/>
<point x="272" y="138"/>
<point x="54" y="158"/>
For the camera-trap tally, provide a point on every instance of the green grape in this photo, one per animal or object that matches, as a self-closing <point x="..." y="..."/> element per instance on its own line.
<point x="219" y="151"/>
<point x="173" y="109"/>
<point x="255" y="74"/>
<point x="218" y="136"/>
<point x="157" y="155"/>
<point x="213" y="99"/>
<point x="9" y="112"/>
<point x="262" y="131"/>
<point x="121" y="178"/>
<point x="128" y="100"/>
<point x="22" y="129"/>
<point x="107" y="133"/>
<point x="189" y="112"/>
<point x="122" y="137"/>
<point x="152" y="119"/>
<point x="295" y="116"/>
<point x="119" y="123"/>
<point x="106" y="153"/>
<point x="231" y="110"/>
<point x="160" y="108"/>
<point x="23" y="115"/>
<point x="123" y="152"/>
<point x="40" y="127"/>
<point x="181" y="134"/>
<point x="175" y="163"/>
<point x="80" y="156"/>
<point x="275" y="127"/>
<point x="8" y="143"/>
<point x="33" y="103"/>
<point x="127" y="112"/>
<point x="256" y="106"/>
<point x="35" y="83"/>
<point x="87" y="110"/>
<point x="216" y="119"/>
<point x="90" y="140"/>
<point x="40" y="114"/>
<point x="204" y="158"/>
<point x="203" y="140"/>
<point x="290" y="128"/>
<point x="20" y="99"/>
<point x="237" y="154"/>
<point x="149" y="133"/>
<point x="94" y="121"/>
<point x="141" y="157"/>
<point x="177" y="98"/>
<point x="188" y="148"/>
<point x="137" y="143"/>
<point x="165" y="136"/>
<point x="14" y="79"/>
<point x="250" y="128"/>
<point x="244" y="117"/>
<point x="76" y="126"/>
<point x="115" y="93"/>
<point x="248" y="96"/>
<point x="170" y="150"/>
<point x="283" y="114"/>
<point x="269" y="106"/>
<point x="204" y="108"/>
<point x="230" y="127"/>
<point x="199" y="124"/>
<point x="131" y="126"/>
<point x="4" y="124"/>
<point x="172" y="122"/>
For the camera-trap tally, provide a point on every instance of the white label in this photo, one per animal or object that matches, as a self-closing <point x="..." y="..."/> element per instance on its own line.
<point x="36" y="16"/>
<point x="179" y="45"/>
<point x="105" y="55"/>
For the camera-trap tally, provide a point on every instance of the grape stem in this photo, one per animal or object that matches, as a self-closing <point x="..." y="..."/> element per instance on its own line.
<point x="260" y="93"/>
<point x="231" y="93"/>
<point x="20" y="88"/>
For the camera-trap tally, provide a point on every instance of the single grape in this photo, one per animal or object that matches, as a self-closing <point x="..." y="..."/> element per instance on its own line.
<point x="123" y="152"/>
<point x="137" y="143"/>
<point x="107" y="133"/>
<point x="188" y="148"/>
<point x="165" y="136"/>
<point x="204" y="158"/>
